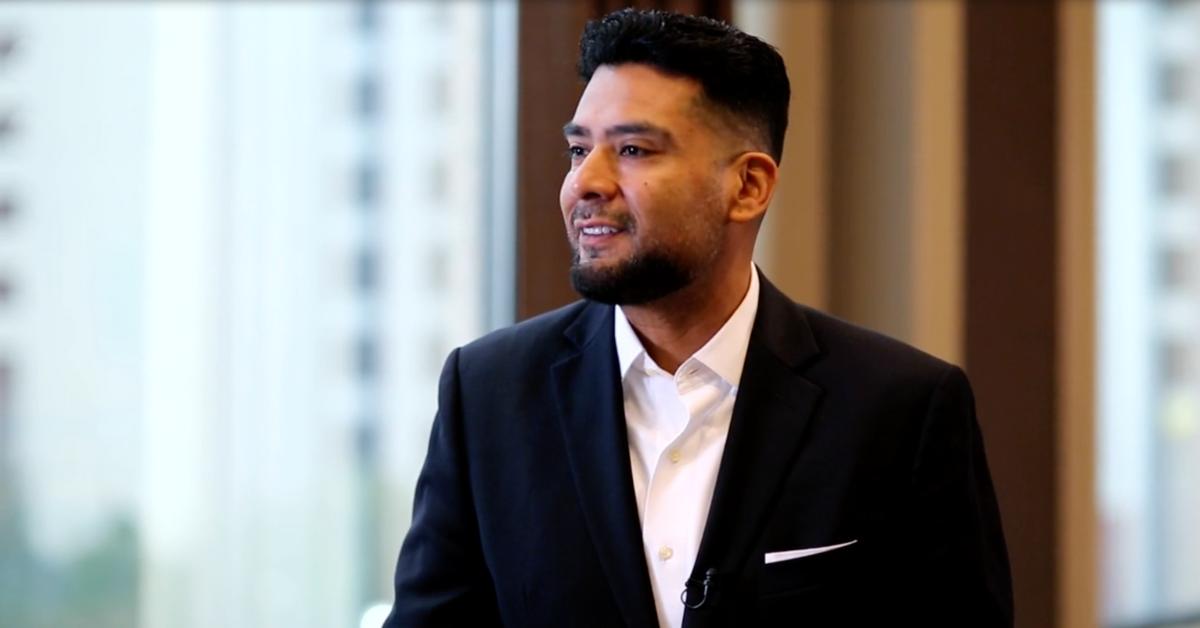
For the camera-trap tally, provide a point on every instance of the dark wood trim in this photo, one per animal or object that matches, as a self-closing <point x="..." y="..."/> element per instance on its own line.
<point x="718" y="9"/>
<point x="547" y="91"/>
<point x="1011" y="203"/>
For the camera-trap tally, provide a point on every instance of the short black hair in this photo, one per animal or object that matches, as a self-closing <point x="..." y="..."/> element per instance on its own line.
<point x="739" y="73"/>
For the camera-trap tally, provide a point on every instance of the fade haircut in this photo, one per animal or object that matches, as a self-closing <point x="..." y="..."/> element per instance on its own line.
<point x="741" y="76"/>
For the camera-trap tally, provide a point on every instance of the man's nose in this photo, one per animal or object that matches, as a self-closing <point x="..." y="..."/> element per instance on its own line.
<point x="595" y="177"/>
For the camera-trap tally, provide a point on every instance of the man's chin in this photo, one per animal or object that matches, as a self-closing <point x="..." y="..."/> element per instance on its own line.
<point x="599" y="266"/>
<point x="634" y="282"/>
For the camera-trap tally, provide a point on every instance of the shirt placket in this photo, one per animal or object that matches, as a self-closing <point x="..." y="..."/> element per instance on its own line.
<point x="671" y="511"/>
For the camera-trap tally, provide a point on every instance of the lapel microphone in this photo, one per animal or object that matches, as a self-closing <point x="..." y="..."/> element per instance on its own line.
<point x="706" y="586"/>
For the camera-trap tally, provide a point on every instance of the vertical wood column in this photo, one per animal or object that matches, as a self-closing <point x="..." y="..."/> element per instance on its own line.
<point x="1010" y="275"/>
<point x="871" y="164"/>
<point x="547" y="92"/>
<point x="937" y="184"/>
<point x="793" y="243"/>
<point x="1078" y="524"/>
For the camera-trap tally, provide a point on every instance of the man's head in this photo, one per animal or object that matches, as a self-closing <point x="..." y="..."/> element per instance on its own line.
<point x="674" y="150"/>
<point x="743" y="80"/>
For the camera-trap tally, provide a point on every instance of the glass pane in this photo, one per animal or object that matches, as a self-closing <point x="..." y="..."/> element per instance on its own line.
<point x="237" y="240"/>
<point x="1149" y="400"/>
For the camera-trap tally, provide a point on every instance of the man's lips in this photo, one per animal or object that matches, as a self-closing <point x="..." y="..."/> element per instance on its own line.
<point x="597" y="231"/>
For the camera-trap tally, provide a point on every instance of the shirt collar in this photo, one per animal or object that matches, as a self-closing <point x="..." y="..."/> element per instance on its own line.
<point x="724" y="353"/>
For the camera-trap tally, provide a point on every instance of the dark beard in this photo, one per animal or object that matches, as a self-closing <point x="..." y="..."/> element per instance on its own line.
<point x="645" y="278"/>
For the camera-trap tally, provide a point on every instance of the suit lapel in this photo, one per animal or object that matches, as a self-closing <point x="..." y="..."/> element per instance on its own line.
<point x="774" y="404"/>
<point x="587" y="389"/>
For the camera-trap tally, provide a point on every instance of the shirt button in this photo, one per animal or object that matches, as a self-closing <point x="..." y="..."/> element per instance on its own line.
<point x="665" y="553"/>
<point x="676" y="456"/>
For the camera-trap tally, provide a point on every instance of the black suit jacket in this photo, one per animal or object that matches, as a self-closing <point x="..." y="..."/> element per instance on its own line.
<point x="525" y="514"/>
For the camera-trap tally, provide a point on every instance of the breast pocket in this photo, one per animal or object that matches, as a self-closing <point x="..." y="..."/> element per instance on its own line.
<point x="794" y="571"/>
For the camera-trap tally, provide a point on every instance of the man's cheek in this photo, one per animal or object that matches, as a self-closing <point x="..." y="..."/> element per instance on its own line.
<point x="565" y="198"/>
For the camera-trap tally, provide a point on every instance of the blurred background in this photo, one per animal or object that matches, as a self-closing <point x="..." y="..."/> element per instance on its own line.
<point x="237" y="240"/>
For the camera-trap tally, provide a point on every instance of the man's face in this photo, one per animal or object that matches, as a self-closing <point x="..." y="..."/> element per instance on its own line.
<point x="643" y="201"/>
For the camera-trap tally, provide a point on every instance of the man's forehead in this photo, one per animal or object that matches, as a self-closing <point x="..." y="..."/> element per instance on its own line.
<point x="634" y="98"/>
<point x="636" y="88"/>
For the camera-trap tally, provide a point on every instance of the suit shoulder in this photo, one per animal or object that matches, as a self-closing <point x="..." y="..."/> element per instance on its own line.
<point x="525" y="342"/>
<point x="848" y="344"/>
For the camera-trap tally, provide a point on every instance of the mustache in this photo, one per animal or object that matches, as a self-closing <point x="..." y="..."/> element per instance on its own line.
<point x="585" y="211"/>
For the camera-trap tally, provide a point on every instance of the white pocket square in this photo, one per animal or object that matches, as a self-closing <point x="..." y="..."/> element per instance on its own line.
<point x="775" y="557"/>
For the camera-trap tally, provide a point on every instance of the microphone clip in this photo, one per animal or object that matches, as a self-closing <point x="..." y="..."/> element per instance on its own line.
<point x="708" y="586"/>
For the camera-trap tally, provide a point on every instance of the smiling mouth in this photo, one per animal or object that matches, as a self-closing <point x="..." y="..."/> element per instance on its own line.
<point x="599" y="231"/>
<point x="597" y="241"/>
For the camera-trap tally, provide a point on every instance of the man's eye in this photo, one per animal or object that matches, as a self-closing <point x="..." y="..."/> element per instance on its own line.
<point x="576" y="152"/>
<point x="630" y="150"/>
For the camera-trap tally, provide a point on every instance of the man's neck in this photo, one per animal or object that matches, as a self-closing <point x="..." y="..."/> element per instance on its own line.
<point x="673" y="328"/>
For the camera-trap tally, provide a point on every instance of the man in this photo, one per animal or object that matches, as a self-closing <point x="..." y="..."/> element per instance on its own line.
<point x="705" y="452"/>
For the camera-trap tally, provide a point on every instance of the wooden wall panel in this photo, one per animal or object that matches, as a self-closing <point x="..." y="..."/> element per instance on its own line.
<point x="1011" y="312"/>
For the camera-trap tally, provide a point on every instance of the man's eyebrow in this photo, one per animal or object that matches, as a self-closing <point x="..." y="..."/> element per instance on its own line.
<point x="639" y="128"/>
<point x="572" y="129"/>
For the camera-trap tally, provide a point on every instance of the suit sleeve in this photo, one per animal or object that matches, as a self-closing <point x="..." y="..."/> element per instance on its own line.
<point x="959" y="550"/>
<point x="441" y="577"/>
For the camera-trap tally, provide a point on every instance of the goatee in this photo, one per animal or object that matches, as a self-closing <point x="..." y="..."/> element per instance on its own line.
<point x="644" y="278"/>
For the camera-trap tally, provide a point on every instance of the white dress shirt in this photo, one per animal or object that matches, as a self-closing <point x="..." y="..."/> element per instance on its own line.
<point x="677" y="426"/>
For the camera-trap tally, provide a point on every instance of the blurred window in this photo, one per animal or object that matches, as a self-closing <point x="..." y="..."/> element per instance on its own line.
<point x="1149" y="345"/>
<point x="247" y="236"/>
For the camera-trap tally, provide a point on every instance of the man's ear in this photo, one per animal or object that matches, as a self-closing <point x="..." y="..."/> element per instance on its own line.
<point x="755" y="184"/>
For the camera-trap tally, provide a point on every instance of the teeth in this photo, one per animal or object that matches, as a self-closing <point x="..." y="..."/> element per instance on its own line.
<point x="595" y="231"/>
